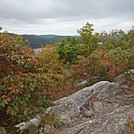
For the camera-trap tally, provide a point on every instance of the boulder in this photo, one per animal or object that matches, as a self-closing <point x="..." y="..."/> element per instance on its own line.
<point x="102" y="108"/>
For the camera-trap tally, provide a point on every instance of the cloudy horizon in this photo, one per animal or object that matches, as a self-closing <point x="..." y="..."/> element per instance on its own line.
<point x="64" y="17"/>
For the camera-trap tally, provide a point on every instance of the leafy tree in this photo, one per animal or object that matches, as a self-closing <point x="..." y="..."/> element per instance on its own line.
<point x="114" y="38"/>
<point x="88" y="39"/>
<point x="68" y="51"/>
<point x="128" y="40"/>
<point x="84" y="45"/>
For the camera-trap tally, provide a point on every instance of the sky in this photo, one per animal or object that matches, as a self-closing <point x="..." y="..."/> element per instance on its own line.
<point x="64" y="17"/>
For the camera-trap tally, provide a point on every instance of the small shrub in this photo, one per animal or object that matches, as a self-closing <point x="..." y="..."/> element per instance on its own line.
<point x="26" y="83"/>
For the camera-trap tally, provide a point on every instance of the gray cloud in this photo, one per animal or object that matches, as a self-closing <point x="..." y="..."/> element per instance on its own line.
<point x="63" y="16"/>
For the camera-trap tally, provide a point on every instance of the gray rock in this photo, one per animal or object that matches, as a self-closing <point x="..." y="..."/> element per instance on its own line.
<point x="89" y="113"/>
<point x="83" y="95"/>
<point x="83" y="83"/>
<point x="97" y="106"/>
<point x="104" y="102"/>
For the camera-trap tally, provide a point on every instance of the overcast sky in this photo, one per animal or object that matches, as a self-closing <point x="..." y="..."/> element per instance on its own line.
<point x="64" y="17"/>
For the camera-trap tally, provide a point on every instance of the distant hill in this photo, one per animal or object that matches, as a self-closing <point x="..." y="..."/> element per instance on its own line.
<point x="37" y="41"/>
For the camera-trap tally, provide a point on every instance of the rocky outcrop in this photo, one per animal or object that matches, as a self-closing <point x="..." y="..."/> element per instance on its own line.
<point x="102" y="108"/>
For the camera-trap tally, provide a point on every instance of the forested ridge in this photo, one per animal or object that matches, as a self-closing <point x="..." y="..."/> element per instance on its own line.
<point x="29" y="82"/>
<point x="38" y="41"/>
